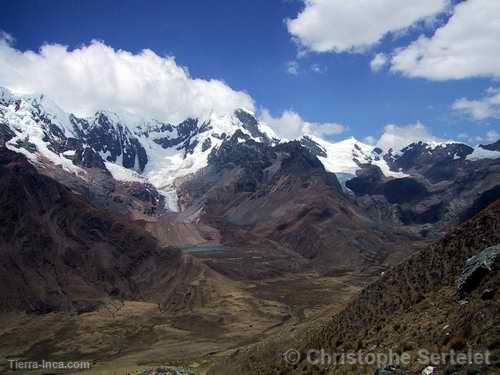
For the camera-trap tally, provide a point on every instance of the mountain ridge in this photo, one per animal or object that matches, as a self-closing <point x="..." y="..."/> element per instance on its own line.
<point x="162" y="152"/>
<point x="418" y="304"/>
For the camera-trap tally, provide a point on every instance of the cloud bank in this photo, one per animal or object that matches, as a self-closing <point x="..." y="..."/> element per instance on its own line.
<point x="480" y="109"/>
<point x="355" y="25"/>
<point x="290" y="125"/>
<point x="397" y="137"/>
<point x="467" y="46"/>
<point x="96" y="76"/>
<point x="379" y="61"/>
<point x="492" y="136"/>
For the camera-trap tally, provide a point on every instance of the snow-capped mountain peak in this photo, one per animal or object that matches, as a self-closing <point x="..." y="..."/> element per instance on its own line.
<point x="346" y="157"/>
<point x="5" y="95"/>
<point x="124" y="145"/>
<point x="135" y="149"/>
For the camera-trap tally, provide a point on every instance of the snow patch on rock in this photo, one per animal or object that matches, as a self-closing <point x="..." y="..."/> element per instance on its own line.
<point x="481" y="153"/>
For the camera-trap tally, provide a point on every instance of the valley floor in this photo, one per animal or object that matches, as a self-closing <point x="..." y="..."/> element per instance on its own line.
<point x="130" y="337"/>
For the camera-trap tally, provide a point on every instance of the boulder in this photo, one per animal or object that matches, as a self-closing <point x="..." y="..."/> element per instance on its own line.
<point x="429" y="370"/>
<point x="476" y="268"/>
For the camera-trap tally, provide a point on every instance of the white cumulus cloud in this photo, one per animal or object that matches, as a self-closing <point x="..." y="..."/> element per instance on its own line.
<point x="354" y="25"/>
<point x="492" y="136"/>
<point x="290" y="125"/>
<point x="379" y="61"/>
<point x="480" y="109"/>
<point x="468" y="45"/>
<point x="96" y="76"/>
<point x="397" y="137"/>
<point x="370" y="140"/>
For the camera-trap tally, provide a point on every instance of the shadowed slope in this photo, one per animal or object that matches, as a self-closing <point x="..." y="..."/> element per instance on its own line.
<point x="60" y="253"/>
<point x="414" y="305"/>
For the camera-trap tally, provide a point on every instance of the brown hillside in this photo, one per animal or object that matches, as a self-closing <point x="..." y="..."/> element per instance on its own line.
<point x="413" y="306"/>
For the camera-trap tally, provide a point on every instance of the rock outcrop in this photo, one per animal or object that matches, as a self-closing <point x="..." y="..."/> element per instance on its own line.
<point x="476" y="268"/>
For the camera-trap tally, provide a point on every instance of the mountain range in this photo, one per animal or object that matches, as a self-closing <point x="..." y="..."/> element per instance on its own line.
<point x="144" y="241"/>
<point x="161" y="156"/>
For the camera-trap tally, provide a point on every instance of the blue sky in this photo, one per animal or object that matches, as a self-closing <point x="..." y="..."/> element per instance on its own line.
<point x="248" y="45"/>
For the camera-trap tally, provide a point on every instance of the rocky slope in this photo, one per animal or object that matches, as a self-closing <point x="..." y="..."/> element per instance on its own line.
<point x="445" y="184"/>
<point x="443" y="298"/>
<point x="59" y="253"/>
<point x="253" y="191"/>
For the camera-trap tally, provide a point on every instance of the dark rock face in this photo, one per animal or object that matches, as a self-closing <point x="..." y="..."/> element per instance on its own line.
<point x="488" y="294"/>
<point x="403" y="190"/>
<point x="367" y="181"/>
<point x="89" y="159"/>
<point x="442" y="163"/>
<point x="135" y="151"/>
<point x="206" y="145"/>
<point x="168" y="142"/>
<point x="313" y="147"/>
<point x="186" y="131"/>
<point x="493" y="146"/>
<point x="419" y="156"/>
<point x="250" y="123"/>
<point x="300" y="162"/>
<point x="55" y="137"/>
<point x="105" y="136"/>
<point x="241" y="151"/>
<point x="147" y="194"/>
<point x="5" y="134"/>
<point x="26" y="144"/>
<point x="403" y="193"/>
<point x="261" y="161"/>
<point x="443" y="187"/>
<point x="483" y="201"/>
